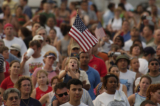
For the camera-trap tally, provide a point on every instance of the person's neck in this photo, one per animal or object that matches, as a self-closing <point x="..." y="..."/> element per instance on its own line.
<point x="133" y="38"/>
<point x="135" y="55"/>
<point x="154" y="100"/>
<point x="117" y="17"/>
<point x="36" y="55"/>
<point x="24" y="4"/>
<point x="43" y="44"/>
<point x="145" y="58"/>
<point x="74" y="103"/>
<point x="148" y="38"/>
<point x="43" y="87"/>
<point x="48" y="67"/>
<point x="110" y="92"/>
<point x="142" y="93"/>
<point x="153" y="74"/>
<point x="9" y="38"/>
<point x="33" y="33"/>
<point x="135" y="70"/>
<point x="84" y="67"/>
<point x="90" y="57"/>
<point x="14" y="76"/>
<point x="67" y="37"/>
<point x="123" y="70"/>
<point x="24" y="96"/>
<point x="125" y="31"/>
<point x="46" y="11"/>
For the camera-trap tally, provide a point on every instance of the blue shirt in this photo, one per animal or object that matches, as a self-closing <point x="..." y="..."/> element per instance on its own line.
<point x="127" y="36"/>
<point x="94" y="79"/>
<point x="27" y="11"/>
<point x="108" y="15"/>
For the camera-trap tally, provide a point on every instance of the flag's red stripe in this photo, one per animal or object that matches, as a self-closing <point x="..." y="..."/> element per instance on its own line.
<point x="92" y="39"/>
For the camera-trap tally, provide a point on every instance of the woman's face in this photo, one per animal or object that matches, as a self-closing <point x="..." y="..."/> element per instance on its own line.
<point x="42" y="78"/>
<point x="49" y="60"/>
<point x="135" y="63"/>
<point x="73" y="65"/>
<point x="117" y="13"/>
<point x="55" y="81"/>
<point x="139" y="9"/>
<point x="115" y="71"/>
<point x="19" y="10"/>
<point x="136" y="51"/>
<point x="15" y="68"/>
<point x="156" y="95"/>
<point x="111" y="84"/>
<point x="7" y="11"/>
<point x="35" y="27"/>
<point x="52" y="34"/>
<point x="144" y="83"/>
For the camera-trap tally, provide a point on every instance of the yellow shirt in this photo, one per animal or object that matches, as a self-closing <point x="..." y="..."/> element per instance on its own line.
<point x="12" y="6"/>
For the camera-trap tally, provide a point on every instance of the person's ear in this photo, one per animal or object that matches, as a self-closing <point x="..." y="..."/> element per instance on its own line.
<point x="68" y="91"/>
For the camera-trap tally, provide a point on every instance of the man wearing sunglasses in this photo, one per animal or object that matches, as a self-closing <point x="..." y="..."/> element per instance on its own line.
<point x="154" y="73"/>
<point x="75" y="92"/>
<point x="12" y="97"/>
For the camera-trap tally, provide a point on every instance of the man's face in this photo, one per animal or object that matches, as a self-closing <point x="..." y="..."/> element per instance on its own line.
<point x="122" y="63"/>
<point x="75" y="92"/>
<point x="12" y="100"/>
<point x="50" y="22"/>
<point x="151" y="2"/>
<point x="153" y="66"/>
<point x="146" y="31"/>
<point x="134" y="34"/>
<point x="8" y="31"/>
<point x="157" y="36"/>
<point x="25" y="87"/>
<point x="5" y="54"/>
<point x="36" y="50"/>
<point x="35" y="27"/>
<point x="84" y="6"/>
<point x="1" y="44"/>
<point x="158" y="50"/>
<point x="84" y="58"/>
<point x="62" y="95"/>
<point x="43" y="34"/>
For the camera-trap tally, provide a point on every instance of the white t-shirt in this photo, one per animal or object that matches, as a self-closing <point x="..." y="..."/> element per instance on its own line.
<point x="68" y="104"/>
<point x="128" y="79"/>
<point x="105" y="99"/>
<point x="129" y="43"/>
<point x="47" y="48"/>
<point x="59" y="33"/>
<point x="16" y="41"/>
<point x="116" y="24"/>
<point x="143" y="66"/>
<point x="106" y="47"/>
<point x="31" y="64"/>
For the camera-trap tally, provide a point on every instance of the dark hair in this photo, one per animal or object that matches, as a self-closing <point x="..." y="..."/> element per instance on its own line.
<point x="10" y="65"/>
<point x="125" y="21"/>
<point x="121" y="5"/>
<point x="95" y="8"/>
<point x="137" y="40"/>
<point x="26" y="1"/>
<point x="74" y="82"/>
<point x="122" y="40"/>
<point x="108" y="33"/>
<point x="3" y="48"/>
<point x="34" y="42"/>
<point x="65" y="28"/>
<point x="110" y="5"/>
<point x="55" y="77"/>
<point x="134" y="45"/>
<point x="42" y="19"/>
<point x="151" y="27"/>
<point x="144" y="103"/>
<point x="112" y="67"/>
<point x="60" y="85"/>
<point x="153" y="59"/>
<point x="25" y="31"/>
<point x="105" y="79"/>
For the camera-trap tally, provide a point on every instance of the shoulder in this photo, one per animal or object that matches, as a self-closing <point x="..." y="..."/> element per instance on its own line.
<point x="82" y="104"/>
<point x="133" y="73"/>
<point x="132" y="97"/>
<point x="35" y="101"/>
<point x="93" y="70"/>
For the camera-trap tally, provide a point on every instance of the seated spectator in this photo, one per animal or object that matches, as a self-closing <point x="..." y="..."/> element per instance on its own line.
<point x="72" y="71"/>
<point x="46" y="98"/>
<point x="5" y="53"/>
<point x="43" y="88"/>
<point x="9" y="81"/>
<point x="114" y="70"/>
<point x="111" y="96"/>
<point x="49" y="59"/>
<point x="153" y="72"/>
<point x="153" y="93"/>
<point x="12" y="96"/>
<point x="74" y="88"/>
<point x="141" y="89"/>
<point x="24" y="85"/>
<point x="15" y="50"/>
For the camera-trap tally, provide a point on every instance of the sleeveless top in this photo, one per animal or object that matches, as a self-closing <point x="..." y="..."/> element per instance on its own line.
<point x="40" y="93"/>
<point x="64" y="47"/>
<point x="139" y="99"/>
<point x="21" y="19"/>
<point x="121" y="86"/>
<point x="67" y="78"/>
<point x="50" y="95"/>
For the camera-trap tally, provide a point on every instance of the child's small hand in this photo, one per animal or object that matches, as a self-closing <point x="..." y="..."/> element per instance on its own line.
<point x="67" y="69"/>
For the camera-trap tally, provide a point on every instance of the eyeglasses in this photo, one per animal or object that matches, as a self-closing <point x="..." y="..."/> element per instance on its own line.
<point x="11" y="98"/>
<point x="60" y="95"/>
<point x="26" y="85"/>
<point x="154" y="64"/>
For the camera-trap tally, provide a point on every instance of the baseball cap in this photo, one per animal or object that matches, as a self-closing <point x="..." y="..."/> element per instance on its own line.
<point x="149" y="50"/>
<point x="75" y="45"/>
<point x="122" y="56"/>
<point x="15" y="47"/>
<point x="50" y="54"/>
<point x="8" y="25"/>
<point x="37" y="37"/>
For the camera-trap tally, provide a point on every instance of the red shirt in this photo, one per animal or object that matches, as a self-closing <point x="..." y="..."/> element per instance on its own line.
<point x="6" y="73"/>
<point x="40" y="93"/>
<point x="7" y="83"/>
<point x="99" y="65"/>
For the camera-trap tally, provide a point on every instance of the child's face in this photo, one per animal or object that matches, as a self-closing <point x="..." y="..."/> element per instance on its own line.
<point x="105" y="38"/>
<point x="73" y="64"/>
<point x="5" y="54"/>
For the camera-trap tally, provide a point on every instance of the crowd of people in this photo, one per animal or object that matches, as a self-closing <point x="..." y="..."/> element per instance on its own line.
<point x="42" y="65"/>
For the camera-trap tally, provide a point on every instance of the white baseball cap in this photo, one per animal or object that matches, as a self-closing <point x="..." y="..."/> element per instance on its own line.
<point x="37" y="37"/>
<point x="15" y="47"/>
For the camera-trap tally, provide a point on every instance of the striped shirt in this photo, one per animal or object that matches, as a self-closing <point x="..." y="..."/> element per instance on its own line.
<point x="1" y="63"/>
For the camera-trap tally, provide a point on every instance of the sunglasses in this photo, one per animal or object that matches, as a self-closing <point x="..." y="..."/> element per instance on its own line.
<point x="11" y="98"/>
<point x="60" y="95"/>
<point x="154" y="64"/>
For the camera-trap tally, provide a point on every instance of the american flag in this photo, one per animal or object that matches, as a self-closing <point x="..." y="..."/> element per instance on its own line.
<point x="99" y="31"/>
<point x="81" y="35"/>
